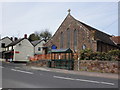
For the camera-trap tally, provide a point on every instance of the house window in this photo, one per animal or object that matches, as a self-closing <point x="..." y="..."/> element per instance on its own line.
<point x="75" y="39"/>
<point x="84" y="47"/>
<point x="68" y="38"/>
<point x="3" y="45"/>
<point x="39" y="48"/>
<point x="61" y="40"/>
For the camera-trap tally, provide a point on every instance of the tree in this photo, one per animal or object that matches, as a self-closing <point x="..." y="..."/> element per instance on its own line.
<point x="33" y="37"/>
<point x="45" y="35"/>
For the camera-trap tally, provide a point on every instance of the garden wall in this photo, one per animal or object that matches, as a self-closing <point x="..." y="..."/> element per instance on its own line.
<point x="39" y="63"/>
<point x="97" y="66"/>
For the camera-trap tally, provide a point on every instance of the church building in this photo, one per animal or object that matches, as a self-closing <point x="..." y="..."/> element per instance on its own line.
<point x="77" y="36"/>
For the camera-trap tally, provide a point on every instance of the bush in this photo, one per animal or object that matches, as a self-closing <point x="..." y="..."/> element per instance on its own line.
<point x="88" y="54"/>
<point x="114" y="55"/>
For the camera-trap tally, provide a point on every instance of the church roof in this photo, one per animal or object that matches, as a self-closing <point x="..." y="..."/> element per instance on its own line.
<point x="98" y="36"/>
<point x="116" y="39"/>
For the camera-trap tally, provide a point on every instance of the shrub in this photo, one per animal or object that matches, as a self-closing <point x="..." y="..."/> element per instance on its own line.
<point x="88" y="54"/>
<point x="114" y="55"/>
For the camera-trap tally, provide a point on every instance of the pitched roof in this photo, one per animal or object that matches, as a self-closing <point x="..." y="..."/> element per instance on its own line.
<point x="36" y="42"/>
<point x="15" y="42"/>
<point x="116" y="39"/>
<point x="5" y="38"/>
<point x="99" y="35"/>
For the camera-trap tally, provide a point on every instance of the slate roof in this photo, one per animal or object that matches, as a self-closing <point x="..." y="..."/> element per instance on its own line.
<point x="36" y="42"/>
<point x="5" y="37"/>
<point x="99" y="35"/>
<point x="15" y="42"/>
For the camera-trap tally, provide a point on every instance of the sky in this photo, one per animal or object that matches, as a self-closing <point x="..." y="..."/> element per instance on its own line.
<point x="19" y="18"/>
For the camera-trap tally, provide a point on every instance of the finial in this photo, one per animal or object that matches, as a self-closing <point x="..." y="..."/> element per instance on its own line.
<point x="69" y="11"/>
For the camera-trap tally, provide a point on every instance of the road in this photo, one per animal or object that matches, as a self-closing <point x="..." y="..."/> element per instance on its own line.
<point x="15" y="76"/>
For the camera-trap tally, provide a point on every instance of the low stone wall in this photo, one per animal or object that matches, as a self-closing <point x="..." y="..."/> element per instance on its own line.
<point x="97" y="66"/>
<point x="40" y="63"/>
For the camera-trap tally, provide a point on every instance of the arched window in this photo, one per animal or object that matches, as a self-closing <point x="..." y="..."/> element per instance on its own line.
<point x="84" y="46"/>
<point x="75" y="39"/>
<point x="61" y="40"/>
<point x="68" y="38"/>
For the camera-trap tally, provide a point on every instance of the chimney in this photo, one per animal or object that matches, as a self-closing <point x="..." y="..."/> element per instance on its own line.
<point x="11" y="38"/>
<point x="15" y="39"/>
<point x="25" y="36"/>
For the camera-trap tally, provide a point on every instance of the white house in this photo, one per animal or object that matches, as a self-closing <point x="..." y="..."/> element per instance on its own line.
<point x="19" y="50"/>
<point x="38" y="46"/>
<point x="3" y="43"/>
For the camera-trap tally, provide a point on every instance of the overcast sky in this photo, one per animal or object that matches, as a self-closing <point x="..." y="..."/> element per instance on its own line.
<point x="19" y="18"/>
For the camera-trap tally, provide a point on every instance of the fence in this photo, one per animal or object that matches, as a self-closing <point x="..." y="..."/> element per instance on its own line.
<point x="51" y="57"/>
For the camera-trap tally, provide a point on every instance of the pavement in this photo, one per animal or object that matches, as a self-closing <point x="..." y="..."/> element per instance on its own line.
<point x="85" y="73"/>
<point x="16" y="75"/>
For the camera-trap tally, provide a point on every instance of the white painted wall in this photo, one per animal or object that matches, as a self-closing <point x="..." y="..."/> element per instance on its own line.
<point x="25" y="49"/>
<point x="39" y="45"/>
<point x="6" y="41"/>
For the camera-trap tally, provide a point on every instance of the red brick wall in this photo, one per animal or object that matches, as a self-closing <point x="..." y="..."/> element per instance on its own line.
<point x="84" y="36"/>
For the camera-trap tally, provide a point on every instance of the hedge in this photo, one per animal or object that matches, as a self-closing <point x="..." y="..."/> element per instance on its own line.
<point x="88" y="54"/>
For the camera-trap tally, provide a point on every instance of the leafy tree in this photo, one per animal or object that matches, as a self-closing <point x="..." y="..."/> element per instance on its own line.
<point x="45" y="35"/>
<point x="37" y="35"/>
<point x="33" y="37"/>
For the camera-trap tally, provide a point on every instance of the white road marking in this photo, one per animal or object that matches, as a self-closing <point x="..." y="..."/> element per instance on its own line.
<point x="1" y="67"/>
<point x="107" y="83"/>
<point x="42" y="69"/>
<point x="22" y="71"/>
<point x="91" y="81"/>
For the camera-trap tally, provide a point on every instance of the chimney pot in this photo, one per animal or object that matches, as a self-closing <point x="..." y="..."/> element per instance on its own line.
<point x="11" y="38"/>
<point x="25" y="36"/>
<point x="15" y="38"/>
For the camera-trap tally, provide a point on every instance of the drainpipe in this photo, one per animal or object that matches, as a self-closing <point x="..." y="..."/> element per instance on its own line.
<point x="34" y="50"/>
<point x="14" y="54"/>
<point x="78" y="61"/>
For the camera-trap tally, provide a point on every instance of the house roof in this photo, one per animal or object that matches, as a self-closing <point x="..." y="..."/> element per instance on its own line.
<point x="15" y="42"/>
<point x="5" y="38"/>
<point x="67" y="50"/>
<point x="36" y="42"/>
<point x="116" y="39"/>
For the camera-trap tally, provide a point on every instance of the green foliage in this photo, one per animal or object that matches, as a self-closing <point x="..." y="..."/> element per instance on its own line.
<point x="45" y="35"/>
<point x="88" y="54"/>
<point x="33" y="37"/>
<point x="114" y="54"/>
